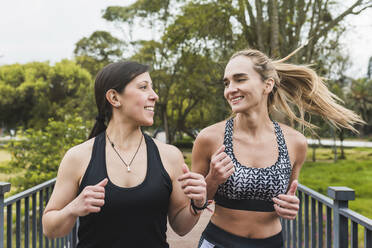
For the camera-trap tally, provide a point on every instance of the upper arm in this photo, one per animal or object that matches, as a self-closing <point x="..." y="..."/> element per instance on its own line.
<point x="67" y="183"/>
<point x="173" y="162"/>
<point x="300" y="151"/>
<point x="201" y="153"/>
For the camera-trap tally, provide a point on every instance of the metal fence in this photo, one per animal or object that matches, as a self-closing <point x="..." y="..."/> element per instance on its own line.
<point x="321" y="221"/>
<point x="327" y="222"/>
<point x="22" y="226"/>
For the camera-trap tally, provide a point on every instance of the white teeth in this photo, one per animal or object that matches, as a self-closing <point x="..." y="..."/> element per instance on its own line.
<point x="236" y="99"/>
<point x="149" y="108"/>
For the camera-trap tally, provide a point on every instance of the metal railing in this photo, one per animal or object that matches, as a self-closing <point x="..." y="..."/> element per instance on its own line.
<point x="321" y="221"/>
<point x="326" y="222"/>
<point x="23" y="225"/>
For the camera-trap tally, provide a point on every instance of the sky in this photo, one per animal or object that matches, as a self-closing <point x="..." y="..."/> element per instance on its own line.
<point x="47" y="30"/>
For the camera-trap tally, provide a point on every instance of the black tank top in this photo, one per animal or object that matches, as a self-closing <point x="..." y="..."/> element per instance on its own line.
<point x="131" y="217"/>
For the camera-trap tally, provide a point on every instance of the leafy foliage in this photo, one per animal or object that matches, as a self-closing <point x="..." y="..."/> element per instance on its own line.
<point x="361" y="100"/>
<point x="97" y="50"/>
<point x="33" y="92"/>
<point x="195" y="39"/>
<point x="40" y="151"/>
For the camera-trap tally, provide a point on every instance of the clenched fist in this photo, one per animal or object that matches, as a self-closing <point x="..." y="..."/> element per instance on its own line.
<point x="90" y="200"/>
<point x="221" y="166"/>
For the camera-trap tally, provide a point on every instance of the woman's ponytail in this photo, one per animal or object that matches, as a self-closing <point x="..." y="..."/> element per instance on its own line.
<point x="299" y="86"/>
<point x="99" y="126"/>
<point x="307" y="91"/>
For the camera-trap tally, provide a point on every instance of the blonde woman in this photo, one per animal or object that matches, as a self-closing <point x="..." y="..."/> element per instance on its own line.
<point x="251" y="162"/>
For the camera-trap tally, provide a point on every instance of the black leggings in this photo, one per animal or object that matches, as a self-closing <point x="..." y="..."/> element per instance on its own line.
<point x="215" y="237"/>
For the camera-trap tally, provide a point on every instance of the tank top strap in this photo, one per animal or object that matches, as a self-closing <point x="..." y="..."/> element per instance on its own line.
<point x="99" y="153"/>
<point x="283" y="151"/>
<point x="227" y="140"/>
<point x="154" y="158"/>
<point x="97" y="162"/>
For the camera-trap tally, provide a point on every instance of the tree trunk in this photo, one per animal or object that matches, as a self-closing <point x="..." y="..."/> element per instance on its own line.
<point x="341" y="137"/>
<point x="260" y="27"/>
<point x="314" y="153"/>
<point x="165" y="123"/>
<point x="334" y="144"/>
<point x="274" y="37"/>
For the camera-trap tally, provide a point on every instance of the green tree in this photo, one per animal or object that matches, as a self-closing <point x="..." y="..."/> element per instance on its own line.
<point x="33" y="92"/>
<point x="51" y="143"/>
<point x="199" y="36"/>
<point x="361" y="96"/>
<point x="97" y="50"/>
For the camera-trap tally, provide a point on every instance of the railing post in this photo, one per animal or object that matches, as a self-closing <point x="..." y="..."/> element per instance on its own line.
<point x="341" y="197"/>
<point x="4" y="187"/>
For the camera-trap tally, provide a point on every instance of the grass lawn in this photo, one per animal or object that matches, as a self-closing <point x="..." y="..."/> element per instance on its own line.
<point x="355" y="172"/>
<point x="4" y="155"/>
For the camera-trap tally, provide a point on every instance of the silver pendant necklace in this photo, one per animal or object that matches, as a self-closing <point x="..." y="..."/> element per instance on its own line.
<point x="117" y="152"/>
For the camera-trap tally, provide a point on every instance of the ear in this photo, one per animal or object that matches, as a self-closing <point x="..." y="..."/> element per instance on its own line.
<point x="112" y="97"/>
<point x="269" y="85"/>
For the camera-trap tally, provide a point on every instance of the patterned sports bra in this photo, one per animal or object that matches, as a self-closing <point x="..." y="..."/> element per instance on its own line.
<point x="250" y="188"/>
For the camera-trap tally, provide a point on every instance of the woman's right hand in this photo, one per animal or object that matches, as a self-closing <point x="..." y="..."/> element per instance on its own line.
<point x="221" y="166"/>
<point x="90" y="200"/>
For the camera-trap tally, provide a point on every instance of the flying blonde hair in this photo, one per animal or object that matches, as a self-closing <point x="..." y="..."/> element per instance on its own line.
<point x="300" y="86"/>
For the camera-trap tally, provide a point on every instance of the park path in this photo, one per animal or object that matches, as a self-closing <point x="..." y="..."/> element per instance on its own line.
<point x="191" y="239"/>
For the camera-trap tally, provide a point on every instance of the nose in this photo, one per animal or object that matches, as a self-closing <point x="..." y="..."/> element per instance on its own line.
<point x="231" y="88"/>
<point x="153" y="95"/>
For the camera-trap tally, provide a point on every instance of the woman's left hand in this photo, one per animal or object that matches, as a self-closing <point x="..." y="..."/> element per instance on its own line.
<point x="287" y="206"/>
<point x="194" y="186"/>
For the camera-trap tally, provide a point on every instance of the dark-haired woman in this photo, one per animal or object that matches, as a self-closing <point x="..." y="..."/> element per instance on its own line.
<point x="252" y="162"/>
<point x="121" y="183"/>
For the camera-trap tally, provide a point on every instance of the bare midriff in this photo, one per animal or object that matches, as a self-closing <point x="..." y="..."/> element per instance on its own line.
<point x="248" y="224"/>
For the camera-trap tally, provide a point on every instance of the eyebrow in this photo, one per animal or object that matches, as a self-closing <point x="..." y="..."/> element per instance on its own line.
<point x="237" y="75"/>
<point x="145" y="81"/>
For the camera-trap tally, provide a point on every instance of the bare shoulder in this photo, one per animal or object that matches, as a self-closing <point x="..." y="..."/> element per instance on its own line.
<point x="212" y="135"/>
<point x="76" y="153"/>
<point x="292" y="136"/>
<point x="171" y="151"/>
<point x="171" y="157"/>
<point x="296" y="145"/>
<point x="76" y="159"/>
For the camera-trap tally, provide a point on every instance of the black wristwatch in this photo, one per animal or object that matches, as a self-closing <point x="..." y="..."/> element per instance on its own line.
<point x="195" y="208"/>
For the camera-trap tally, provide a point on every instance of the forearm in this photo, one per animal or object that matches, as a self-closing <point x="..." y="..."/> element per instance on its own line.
<point x="184" y="220"/>
<point x="58" y="223"/>
<point x="212" y="187"/>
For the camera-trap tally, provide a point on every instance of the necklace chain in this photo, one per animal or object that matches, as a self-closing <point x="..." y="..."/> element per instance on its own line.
<point x="117" y="152"/>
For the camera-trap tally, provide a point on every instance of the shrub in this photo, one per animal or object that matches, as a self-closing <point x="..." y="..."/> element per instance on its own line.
<point x="40" y="151"/>
<point x="184" y="144"/>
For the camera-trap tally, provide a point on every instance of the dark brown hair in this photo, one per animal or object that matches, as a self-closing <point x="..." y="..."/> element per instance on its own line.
<point x="113" y="76"/>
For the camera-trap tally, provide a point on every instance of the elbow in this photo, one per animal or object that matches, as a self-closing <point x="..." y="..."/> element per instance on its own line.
<point x="182" y="229"/>
<point x="47" y="232"/>
<point x="48" y="229"/>
<point x="181" y="232"/>
<point x="52" y="234"/>
<point x="49" y="235"/>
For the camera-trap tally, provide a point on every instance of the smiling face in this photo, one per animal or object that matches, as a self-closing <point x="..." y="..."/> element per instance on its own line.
<point x="138" y="99"/>
<point x="244" y="87"/>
